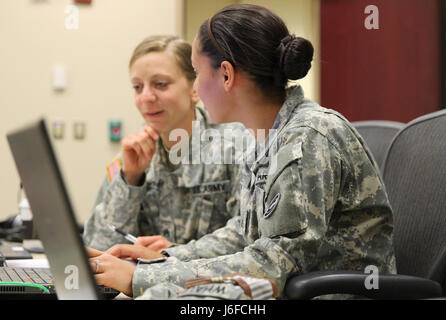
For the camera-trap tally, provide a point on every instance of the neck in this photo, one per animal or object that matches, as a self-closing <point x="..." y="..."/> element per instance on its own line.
<point x="260" y="120"/>
<point x="185" y="125"/>
<point x="257" y="112"/>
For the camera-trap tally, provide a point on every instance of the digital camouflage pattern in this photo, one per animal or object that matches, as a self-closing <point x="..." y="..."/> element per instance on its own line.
<point x="214" y="291"/>
<point x="321" y="206"/>
<point x="181" y="205"/>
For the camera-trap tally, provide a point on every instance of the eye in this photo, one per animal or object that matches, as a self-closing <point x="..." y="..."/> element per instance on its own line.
<point x="161" y="84"/>
<point x="136" y="87"/>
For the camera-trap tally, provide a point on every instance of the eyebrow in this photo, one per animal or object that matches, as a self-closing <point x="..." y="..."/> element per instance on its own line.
<point x="157" y="75"/>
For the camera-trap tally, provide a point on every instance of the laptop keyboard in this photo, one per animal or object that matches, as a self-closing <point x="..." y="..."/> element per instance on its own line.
<point x="40" y="276"/>
<point x="28" y="275"/>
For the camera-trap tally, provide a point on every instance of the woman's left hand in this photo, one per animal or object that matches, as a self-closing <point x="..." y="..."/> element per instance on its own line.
<point x="111" y="271"/>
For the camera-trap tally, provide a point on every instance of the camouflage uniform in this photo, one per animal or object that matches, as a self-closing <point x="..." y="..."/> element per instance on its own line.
<point x="181" y="204"/>
<point x="322" y="206"/>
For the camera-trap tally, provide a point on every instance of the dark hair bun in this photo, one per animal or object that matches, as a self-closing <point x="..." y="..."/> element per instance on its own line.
<point x="296" y="54"/>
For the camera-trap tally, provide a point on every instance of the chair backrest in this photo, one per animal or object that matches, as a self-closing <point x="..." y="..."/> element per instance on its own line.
<point x="378" y="135"/>
<point x="414" y="173"/>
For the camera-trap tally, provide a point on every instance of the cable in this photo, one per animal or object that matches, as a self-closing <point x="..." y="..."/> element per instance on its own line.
<point x="24" y="284"/>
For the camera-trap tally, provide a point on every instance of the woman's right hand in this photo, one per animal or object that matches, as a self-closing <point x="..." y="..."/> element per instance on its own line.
<point x="137" y="152"/>
<point x="157" y="243"/>
<point x="133" y="252"/>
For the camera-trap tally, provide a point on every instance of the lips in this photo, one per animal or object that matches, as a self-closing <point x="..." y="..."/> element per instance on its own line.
<point x="154" y="113"/>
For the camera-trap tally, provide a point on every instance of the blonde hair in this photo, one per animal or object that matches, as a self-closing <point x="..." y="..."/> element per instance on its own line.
<point x="180" y="48"/>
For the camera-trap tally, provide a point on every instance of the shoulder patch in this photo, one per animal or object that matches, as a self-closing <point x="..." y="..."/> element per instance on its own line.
<point x="113" y="169"/>
<point x="272" y="206"/>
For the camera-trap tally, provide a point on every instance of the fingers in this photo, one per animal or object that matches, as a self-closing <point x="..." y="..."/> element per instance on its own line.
<point x="95" y="265"/>
<point x="151" y="132"/>
<point x="146" y="144"/>
<point x="160" y="245"/>
<point x="116" y="274"/>
<point x="156" y="243"/>
<point x="137" y="152"/>
<point x="125" y="251"/>
<point x="93" y="252"/>
<point x="157" y="246"/>
<point x="101" y="279"/>
<point x="101" y="263"/>
<point x="141" y="143"/>
<point x="147" y="240"/>
<point x="133" y="251"/>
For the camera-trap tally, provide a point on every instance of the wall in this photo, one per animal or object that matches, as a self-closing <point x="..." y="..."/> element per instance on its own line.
<point x="34" y="39"/>
<point x="301" y="17"/>
<point x="390" y="73"/>
<point x="197" y="11"/>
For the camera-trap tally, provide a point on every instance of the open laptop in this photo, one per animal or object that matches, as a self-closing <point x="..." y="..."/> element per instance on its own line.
<point x="54" y="219"/>
<point x="13" y="250"/>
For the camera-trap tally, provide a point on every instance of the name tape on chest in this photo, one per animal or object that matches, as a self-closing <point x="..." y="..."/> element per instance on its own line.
<point x="211" y="188"/>
<point x="261" y="178"/>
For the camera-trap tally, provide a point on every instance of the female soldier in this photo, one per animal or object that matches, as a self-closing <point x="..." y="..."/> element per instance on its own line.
<point x="153" y="195"/>
<point x="312" y="200"/>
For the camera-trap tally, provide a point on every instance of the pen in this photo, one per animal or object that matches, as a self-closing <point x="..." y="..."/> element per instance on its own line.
<point x="128" y="236"/>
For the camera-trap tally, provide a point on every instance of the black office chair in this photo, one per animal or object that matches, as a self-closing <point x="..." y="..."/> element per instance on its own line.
<point x="414" y="172"/>
<point x="378" y="135"/>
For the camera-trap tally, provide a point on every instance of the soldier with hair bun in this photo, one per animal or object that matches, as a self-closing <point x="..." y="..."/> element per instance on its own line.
<point x="322" y="206"/>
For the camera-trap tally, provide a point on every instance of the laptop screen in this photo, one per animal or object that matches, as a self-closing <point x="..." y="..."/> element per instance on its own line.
<point x="52" y="212"/>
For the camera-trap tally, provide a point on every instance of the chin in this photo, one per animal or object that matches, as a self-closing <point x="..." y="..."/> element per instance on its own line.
<point x="158" y="127"/>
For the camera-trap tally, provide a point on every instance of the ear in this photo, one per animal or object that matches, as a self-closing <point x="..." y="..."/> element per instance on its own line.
<point x="194" y="96"/>
<point x="228" y="73"/>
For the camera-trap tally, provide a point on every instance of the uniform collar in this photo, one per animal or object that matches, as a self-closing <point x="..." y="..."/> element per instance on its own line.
<point x="295" y="96"/>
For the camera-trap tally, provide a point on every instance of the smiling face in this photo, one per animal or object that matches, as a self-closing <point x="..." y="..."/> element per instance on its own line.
<point x="163" y="95"/>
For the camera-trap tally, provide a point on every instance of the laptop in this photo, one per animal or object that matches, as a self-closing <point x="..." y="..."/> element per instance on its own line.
<point x="13" y="250"/>
<point x="55" y="222"/>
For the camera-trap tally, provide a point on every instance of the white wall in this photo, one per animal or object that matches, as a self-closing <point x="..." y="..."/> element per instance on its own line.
<point x="303" y="19"/>
<point x="33" y="39"/>
<point x="301" y="16"/>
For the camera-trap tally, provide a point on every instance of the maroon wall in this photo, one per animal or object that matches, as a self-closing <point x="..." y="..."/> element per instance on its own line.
<point x="393" y="73"/>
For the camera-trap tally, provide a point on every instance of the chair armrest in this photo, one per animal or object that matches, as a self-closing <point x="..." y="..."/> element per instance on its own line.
<point x="390" y="286"/>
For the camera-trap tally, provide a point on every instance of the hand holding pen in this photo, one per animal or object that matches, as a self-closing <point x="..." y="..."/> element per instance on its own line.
<point x="128" y="236"/>
<point x="157" y="243"/>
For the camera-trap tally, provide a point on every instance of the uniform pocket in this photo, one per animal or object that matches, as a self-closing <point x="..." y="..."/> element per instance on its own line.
<point x="283" y="212"/>
<point x="204" y="209"/>
<point x="260" y="200"/>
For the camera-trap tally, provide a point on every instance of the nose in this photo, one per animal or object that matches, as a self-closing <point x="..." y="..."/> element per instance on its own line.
<point x="147" y="95"/>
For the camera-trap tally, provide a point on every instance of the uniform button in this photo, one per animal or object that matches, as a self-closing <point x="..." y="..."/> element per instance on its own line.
<point x="166" y="233"/>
